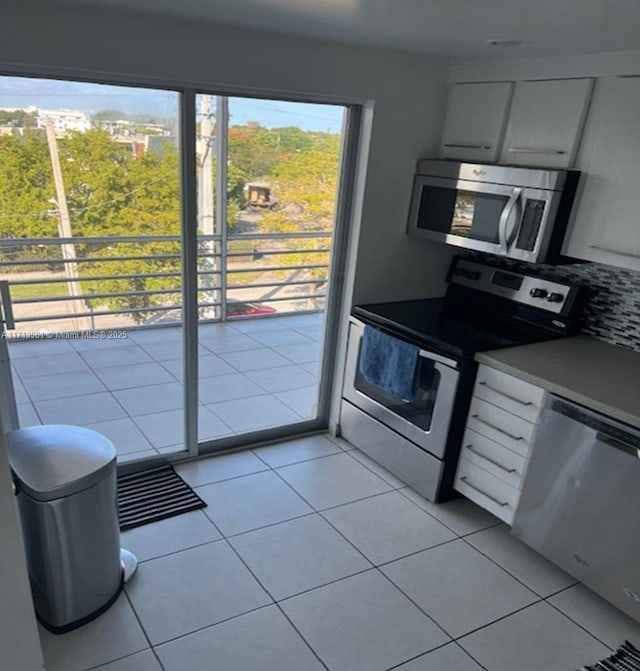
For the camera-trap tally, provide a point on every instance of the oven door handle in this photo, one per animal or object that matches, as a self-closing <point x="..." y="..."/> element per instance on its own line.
<point x="432" y="356"/>
<point x="505" y="237"/>
<point x="422" y="353"/>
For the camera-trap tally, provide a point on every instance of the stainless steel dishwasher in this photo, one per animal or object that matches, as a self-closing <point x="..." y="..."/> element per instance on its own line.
<point x="580" y="503"/>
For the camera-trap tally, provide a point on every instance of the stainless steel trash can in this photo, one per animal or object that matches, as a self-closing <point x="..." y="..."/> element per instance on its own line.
<point x="65" y="480"/>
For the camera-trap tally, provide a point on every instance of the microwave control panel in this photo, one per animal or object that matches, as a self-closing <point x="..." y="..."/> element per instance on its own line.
<point x="530" y="224"/>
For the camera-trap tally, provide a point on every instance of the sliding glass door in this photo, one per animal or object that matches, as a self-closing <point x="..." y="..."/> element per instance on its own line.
<point x="90" y="247"/>
<point x="267" y="178"/>
<point x="169" y="259"/>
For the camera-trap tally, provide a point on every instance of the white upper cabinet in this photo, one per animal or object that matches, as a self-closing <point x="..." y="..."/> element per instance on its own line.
<point x="545" y="123"/>
<point x="606" y="222"/>
<point x="475" y="121"/>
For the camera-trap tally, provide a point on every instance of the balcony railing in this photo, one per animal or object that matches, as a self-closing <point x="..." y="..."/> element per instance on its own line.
<point x="122" y="281"/>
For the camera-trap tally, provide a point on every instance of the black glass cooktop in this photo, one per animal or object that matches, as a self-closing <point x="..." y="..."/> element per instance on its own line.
<point x="459" y="330"/>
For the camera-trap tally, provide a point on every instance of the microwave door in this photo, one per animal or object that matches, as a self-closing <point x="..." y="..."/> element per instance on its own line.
<point x="474" y="215"/>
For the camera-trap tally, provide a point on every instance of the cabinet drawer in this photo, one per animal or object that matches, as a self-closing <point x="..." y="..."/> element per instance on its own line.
<point x="501" y="426"/>
<point x="508" y="392"/>
<point x="493" y="457"/>
<point x="487" y="491"/>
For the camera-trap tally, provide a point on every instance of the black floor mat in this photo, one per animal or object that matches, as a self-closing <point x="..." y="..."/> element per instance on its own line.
<point x="154" y="495"/>
<point x="625" y="658"/>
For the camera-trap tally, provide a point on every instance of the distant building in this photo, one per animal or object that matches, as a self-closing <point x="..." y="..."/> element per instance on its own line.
<point x="65" y="120"/>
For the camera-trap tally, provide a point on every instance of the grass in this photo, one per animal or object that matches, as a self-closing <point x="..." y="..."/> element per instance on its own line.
<point x="38" y="290"/>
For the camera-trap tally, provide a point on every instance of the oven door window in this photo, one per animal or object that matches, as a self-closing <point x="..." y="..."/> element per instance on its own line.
<point x="468" y="214"/>
<point x="418" y="412"/>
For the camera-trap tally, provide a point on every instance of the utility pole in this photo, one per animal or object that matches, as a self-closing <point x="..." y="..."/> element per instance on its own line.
<point x="64" y="223"/>
<point x="206" y="211"/>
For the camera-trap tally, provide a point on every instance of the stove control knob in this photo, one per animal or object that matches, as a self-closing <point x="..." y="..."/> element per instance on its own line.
<point x="555" y="298"/>
<point x="538" y="293"/>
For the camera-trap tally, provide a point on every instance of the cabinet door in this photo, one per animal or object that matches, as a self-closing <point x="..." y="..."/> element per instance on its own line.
<point x="606" y="223"/>
<point x="475" y="121"/>
<point x="546" y="122"/>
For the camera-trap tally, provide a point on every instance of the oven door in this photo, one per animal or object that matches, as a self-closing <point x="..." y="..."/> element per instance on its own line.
<point x="425" y="421"/>
<point x="495" y="218"/>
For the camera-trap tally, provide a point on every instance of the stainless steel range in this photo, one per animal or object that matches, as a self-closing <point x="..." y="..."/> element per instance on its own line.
<point x="416" y="433"/>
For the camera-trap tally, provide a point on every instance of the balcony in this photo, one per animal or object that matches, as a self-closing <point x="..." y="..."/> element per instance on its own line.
<point x="100" y="346"/>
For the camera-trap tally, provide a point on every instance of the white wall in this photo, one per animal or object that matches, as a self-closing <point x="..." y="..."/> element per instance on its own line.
<point x="19" y="642"/>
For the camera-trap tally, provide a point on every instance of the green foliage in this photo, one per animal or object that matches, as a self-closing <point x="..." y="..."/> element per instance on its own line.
<point x="26" y="185"/>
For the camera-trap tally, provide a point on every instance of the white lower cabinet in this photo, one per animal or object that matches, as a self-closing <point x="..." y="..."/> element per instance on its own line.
<point x="487" y="491"/>
<point x="496" y="445"/>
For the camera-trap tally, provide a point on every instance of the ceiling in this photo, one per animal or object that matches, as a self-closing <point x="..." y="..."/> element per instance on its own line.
<point x="456" y="29"/>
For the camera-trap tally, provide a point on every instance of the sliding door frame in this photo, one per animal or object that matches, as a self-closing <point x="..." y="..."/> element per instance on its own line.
<point x="187" y="92"/>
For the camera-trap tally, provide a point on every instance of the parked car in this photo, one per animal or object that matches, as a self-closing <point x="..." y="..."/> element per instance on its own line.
<point x="242" y="309"/>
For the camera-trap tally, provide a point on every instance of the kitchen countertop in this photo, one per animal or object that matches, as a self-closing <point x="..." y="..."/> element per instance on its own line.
<point x="588" y="371"/>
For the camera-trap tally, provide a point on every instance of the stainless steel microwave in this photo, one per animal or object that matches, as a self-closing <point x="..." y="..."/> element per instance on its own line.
<point x="521" y="213"/>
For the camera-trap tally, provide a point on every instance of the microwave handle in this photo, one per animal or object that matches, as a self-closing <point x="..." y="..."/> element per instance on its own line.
<point x="504" y="237"/>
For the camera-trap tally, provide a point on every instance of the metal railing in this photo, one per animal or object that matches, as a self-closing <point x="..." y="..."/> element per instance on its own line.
<point x="127" y="281"/>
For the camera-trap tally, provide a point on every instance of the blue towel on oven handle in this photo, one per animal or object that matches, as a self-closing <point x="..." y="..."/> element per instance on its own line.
<point x="389" y="363"/>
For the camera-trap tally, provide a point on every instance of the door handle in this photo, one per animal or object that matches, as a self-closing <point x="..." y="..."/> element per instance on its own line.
<point x="7" y="308"/>
<point x="457" y="145"/>
<point x="504" y="239"/>
<point x="531" y="150"/>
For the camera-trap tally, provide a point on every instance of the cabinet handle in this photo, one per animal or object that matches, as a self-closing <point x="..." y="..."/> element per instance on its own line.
<point x="531" y="150"/>
<point x="502" y="393"/>
<point x="497" y="428"/>
<point x="490" y="460"/>
<point x="616" y="251"/>
<point x="502" y="504"/>
<point x="456" y="145"/>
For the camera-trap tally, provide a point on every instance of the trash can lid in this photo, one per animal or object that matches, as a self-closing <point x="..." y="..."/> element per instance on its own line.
<point x="57" y="460"/>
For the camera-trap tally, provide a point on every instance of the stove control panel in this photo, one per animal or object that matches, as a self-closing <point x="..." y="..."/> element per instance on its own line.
<point x="531" y="290"/>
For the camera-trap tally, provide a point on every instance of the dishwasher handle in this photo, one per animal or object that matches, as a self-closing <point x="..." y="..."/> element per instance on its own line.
<point x="618" y="444"/>
<point x="609" y="431"/>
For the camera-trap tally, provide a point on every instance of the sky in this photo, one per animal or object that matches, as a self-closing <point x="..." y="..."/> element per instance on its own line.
<point x="53" y="94"/>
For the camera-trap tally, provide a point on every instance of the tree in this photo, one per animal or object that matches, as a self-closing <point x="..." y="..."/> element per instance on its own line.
<point x="306" y="184"/>
<point x="18" y="118"/>
<point x="113" y="193"/>
<point x="110" y="193"/>
<point x="26" y="185"/>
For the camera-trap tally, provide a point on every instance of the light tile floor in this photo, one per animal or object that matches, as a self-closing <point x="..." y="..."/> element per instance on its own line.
<point x="253" y="374"/>
<point x="311" y="557"/>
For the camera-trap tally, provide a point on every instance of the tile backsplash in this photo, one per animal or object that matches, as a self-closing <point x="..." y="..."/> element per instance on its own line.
<point x="613" y="310"/>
